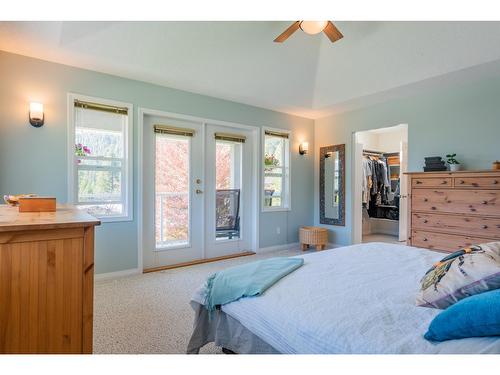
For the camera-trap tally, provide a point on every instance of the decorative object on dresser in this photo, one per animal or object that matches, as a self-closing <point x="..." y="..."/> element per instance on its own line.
<point x="452" y="162"/>
<point x="46" y="281"/>
<point x="453" y="210"/>
<point x="434" y="164"/>
<point x="496" y="165"/>
<point x="13" y="200"/>
<point x="316" y="236"/>
<point x="37" y="204"/>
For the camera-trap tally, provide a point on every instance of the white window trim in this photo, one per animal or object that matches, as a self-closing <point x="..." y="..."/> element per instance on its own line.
<point x="129" y="155"/>
<point x="262" y="154"/>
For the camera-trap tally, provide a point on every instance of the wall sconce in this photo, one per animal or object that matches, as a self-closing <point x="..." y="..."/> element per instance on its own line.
<point x="303" y="148"/>
<point x="37" y="116"/>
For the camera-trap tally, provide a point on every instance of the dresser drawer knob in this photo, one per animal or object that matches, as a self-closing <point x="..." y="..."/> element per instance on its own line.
<point x="462" y="182"/>
<point x="444" y="182"/>
<point x="475" y="184"/>
<point x="495" y="182"/>
<point x="426" y="221"/>
<point x="433" y="208"/>
<point x="484" y="227"/>
<point x="485" y="202"/>
<point x="426" y="200"/>
<point x="424" y="239"/>
<point x="418" y="182"/>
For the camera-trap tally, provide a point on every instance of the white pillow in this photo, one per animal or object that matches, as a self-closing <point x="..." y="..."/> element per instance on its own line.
<point x="469" y="271"/>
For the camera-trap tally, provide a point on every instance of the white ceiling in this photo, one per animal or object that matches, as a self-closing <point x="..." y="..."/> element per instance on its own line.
<point x="306" y="75"/>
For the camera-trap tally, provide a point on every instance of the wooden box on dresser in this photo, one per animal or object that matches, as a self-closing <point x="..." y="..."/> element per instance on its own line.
<point x="46" y="281"/>
<point x="452" y="210"/>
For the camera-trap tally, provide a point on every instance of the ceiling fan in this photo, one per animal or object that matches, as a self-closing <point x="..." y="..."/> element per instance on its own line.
<point x="311" y="27"/>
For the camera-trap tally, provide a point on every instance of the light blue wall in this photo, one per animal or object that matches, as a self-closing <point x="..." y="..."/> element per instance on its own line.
<point x="461" y="118"/>
<point x="34" y="160"/>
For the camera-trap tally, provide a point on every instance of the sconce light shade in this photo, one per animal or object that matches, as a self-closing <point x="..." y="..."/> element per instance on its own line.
<point x="303" y="148"/>
<point x="37" y="116"/>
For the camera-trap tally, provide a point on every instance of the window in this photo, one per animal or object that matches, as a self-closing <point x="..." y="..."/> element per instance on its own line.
<point x="100" y="157"/>
<point x="276" y="180"/>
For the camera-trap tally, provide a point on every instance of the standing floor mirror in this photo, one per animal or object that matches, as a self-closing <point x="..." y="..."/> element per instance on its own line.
<point x="332" y="185"/>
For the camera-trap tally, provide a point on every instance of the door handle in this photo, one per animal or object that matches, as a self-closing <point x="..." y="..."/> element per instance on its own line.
<point x="198" y="191"/>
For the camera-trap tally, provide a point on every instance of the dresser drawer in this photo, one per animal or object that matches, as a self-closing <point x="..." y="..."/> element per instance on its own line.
<point x="457" y="224"/>
<point x="473" y="202"/>
<point x="431" y="182"/>
<point x="477" y="182"/>
<point x="442" y="241"/>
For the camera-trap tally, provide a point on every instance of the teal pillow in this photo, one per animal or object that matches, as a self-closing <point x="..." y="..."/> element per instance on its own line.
<point x="474" y="316"/>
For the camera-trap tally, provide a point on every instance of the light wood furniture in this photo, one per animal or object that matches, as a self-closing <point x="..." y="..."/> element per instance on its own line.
<point x="46" y="281"/>
<point x="315" y="236"/>
<point x="37" y="204"/>
<point x="452" y="210"/>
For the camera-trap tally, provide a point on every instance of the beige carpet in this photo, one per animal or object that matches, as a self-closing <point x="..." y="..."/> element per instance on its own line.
<point x="150" y="313"/>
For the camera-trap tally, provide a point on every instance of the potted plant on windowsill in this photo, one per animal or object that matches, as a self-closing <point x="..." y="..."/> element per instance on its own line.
<point x="452" y="162"/>
<point x="270" y="162"/>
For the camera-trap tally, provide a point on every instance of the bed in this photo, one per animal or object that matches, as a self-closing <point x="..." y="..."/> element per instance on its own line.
<point x="356" y="299"/>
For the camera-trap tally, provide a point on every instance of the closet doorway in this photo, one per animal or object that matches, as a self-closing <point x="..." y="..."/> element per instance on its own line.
<point x="380" y="190"/>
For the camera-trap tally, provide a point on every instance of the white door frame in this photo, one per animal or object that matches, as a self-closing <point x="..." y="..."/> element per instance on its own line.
<point x="356" y="199"/>
<point x="357" y="215"/>
<point x="255" y="131"/>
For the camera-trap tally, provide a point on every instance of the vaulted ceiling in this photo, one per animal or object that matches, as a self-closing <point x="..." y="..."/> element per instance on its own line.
<point x="307" y="75"/>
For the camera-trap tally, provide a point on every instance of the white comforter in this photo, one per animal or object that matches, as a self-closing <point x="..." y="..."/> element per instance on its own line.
<point x="353" y="299"/>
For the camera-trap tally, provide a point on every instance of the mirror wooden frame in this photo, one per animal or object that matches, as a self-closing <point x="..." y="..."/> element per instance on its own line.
<point x="322" y="153"/>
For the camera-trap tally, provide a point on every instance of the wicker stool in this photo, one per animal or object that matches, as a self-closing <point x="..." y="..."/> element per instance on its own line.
<point x="313" y="236"/>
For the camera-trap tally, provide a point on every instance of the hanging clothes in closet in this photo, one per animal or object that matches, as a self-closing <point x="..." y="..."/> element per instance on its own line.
<point x="377" y="197"/>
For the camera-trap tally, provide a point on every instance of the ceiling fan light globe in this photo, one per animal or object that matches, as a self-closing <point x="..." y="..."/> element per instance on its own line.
<point x="313" y="27"/>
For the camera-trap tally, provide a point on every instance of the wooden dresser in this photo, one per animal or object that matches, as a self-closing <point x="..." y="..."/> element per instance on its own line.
<point x="46" y="281"/>
<point x="451" y="210"/>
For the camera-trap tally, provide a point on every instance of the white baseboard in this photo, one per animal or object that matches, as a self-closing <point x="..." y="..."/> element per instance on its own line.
<point x="117" y="274"/>
<point x="294" y="245"/>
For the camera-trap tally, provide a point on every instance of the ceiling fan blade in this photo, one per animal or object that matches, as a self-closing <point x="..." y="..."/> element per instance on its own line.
<point x="332" y="32"/>
<point x="286" y="34"/>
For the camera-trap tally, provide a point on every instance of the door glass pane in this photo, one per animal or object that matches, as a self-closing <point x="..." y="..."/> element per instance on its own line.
<point x="228" y="189"/>
<point x="172" y="191"/>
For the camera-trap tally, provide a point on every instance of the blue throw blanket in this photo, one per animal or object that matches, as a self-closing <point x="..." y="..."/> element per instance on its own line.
<point x="247" y="280"/>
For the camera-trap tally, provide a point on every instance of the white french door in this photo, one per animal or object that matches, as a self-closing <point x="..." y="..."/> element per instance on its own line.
<point x="197" y="191"/>
<point x="172" y="191"/>
<point x="228" y="190"/>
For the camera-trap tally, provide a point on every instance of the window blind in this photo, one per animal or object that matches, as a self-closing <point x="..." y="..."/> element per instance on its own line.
<point x="165" y="129"/>
<point x="101" y="107"/>
<point x="230" y="137"/>
<point x="276" y="134"/>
